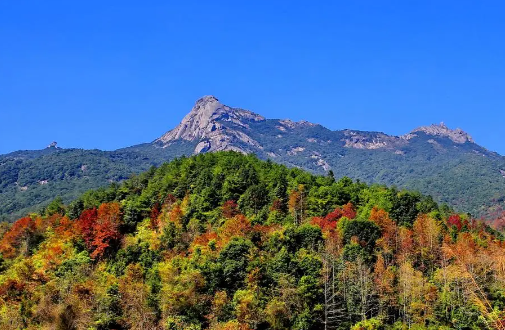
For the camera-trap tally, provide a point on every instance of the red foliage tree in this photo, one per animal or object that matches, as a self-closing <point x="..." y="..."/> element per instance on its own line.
<point x="455" y="221"/>
<point x="65" y="228"/>
<point x="205" y="238"/>
<point x="230" y="209"/>
<point x="297" y="204"/>
<point x="100" y="228"/>
<point x="236" y="226"/>
<point x="334" y="216"/>
<point x="169" y="201"/>
<point x="12" y="290"/>
<point x="349" y="211"/>
<point x="106" y="228"/>
<point x="85" y="226"/>
<point x="321" y="223"/>
<point x="105" y="234"/>
<point x="329" y="222"/>
<point x="405" y="245"/>
<point x="176" y="214"/>
<point x="278" y="206"/>
<point x="155" y="212"/>
<point x="388" y="228"/>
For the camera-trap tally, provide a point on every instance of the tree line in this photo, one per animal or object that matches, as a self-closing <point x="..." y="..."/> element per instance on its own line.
<point x="227" y="241"/>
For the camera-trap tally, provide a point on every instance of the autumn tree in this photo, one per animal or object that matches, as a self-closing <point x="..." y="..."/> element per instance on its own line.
<point x="20" y="238"/>
<point x="405" y="245"/>
<point x="85" y="225"/>
<point x="297" y="200"/>
<point x="427" y="240"/>
<point x="416" y="295"/>
<point x="388" y="242"/>
<point x="384" y="280"/>
<point x="230" y="209"/>
<point x="349" y="211"/>
<point x="134" y="299"/>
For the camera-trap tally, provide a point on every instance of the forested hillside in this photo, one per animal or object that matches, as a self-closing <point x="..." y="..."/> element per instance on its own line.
<point x="435" y="160"/>
<point x="227" y="241"/>
<point x="29" y="180"/>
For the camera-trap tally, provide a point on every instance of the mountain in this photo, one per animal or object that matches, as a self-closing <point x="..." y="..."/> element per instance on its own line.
<point x="445" y="163"/>
<point x="215" y="127"/>
<point x="225" y="241"/>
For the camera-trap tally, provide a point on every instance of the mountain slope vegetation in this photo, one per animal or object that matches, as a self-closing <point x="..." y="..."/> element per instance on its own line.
<point x="227" y="241"/>
<point x="30" y="180"/>
<point x="434" y="160"/>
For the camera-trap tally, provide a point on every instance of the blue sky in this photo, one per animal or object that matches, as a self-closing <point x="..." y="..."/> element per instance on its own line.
<point x="109" y="74"/>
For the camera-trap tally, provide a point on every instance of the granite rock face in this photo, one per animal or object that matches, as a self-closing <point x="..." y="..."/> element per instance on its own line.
<point x="215" y="127"/>
<point x="456" y="135"/>
<point x="371" y="140"/>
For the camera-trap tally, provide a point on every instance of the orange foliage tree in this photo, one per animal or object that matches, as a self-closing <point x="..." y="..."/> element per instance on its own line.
<point x="106" y="228"/>
<point x="389" y="229"/>
<point x="17" y="237"/>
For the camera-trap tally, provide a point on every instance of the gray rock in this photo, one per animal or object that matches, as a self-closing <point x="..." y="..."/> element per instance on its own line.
<point x="456" y="135"/>
<point x="216" y="126"/>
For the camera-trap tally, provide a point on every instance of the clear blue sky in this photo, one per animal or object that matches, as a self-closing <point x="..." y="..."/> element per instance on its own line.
<point x="109" y="74"/>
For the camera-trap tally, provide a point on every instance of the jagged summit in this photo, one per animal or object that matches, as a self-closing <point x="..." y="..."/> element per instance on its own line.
<point x="207" y="99"/>
<point x="214" y="125"/>
<point x="196" y="121"/>
<point x="456" y="135"/>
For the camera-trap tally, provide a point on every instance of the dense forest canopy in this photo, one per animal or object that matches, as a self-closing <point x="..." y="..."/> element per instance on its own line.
<point x="227" y="241"/>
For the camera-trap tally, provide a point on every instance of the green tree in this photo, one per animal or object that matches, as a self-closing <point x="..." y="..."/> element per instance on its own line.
<point x="55" y="207"/>
<point x="234" y="259"/>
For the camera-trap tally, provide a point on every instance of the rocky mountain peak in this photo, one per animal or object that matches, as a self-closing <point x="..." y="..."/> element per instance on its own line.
<point x="213" y="124"/>
<point x="206" y="99"/>
<point x="203" y="111"/>
<point x="456" y="135"/>
<point x="196" y="121"/>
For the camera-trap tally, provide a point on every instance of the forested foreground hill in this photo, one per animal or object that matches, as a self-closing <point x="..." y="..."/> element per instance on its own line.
<point x="227" y="241"/>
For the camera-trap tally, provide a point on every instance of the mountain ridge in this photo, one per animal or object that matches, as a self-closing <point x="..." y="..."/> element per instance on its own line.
<point x="206" y="123"/>
<point x="434" y="159"/>
<point x="208" y="111"/>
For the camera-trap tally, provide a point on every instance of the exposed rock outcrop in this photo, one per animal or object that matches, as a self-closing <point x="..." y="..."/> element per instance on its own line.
<point x="367" y="140"/>
<point x="456" y="135"/>
<point x="295" y="151"/>
<point x="215" y="126"/>
<point x="320" y="161"/>
<point x="288" y="123"/>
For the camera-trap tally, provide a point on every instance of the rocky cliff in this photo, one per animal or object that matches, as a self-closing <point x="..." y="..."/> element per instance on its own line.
<point x="215" y="127"/>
